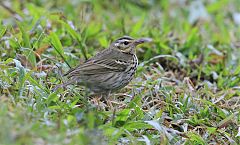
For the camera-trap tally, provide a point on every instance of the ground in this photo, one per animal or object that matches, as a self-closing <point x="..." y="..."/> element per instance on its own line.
<point x="186" y="89"/>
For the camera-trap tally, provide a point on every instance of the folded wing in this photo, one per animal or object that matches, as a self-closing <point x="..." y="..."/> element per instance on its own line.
<point x="98" y="66"/>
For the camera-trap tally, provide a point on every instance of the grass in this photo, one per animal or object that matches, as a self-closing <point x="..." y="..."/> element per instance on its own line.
<point x="186" y="90"/>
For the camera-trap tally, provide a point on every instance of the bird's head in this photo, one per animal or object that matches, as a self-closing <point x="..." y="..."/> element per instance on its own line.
<point x="127" y="44"/>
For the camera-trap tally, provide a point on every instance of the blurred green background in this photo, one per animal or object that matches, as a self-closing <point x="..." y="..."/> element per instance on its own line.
<point x="186" y="90"/>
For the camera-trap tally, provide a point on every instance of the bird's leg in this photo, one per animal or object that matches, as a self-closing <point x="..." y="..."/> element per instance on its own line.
<point x="98" y="101"/>
<point x="108" y="100"/>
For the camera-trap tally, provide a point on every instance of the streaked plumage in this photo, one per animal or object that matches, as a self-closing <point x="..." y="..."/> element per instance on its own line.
<point x="110" y="69"/>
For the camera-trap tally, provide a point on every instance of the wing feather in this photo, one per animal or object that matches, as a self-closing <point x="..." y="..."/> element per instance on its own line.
<point x="98" y="67"/>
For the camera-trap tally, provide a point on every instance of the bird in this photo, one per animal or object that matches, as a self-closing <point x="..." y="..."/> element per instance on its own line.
<point x="109" y="70"/>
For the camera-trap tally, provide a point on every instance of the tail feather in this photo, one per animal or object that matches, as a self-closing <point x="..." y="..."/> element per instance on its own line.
<point x="63" y="85"/>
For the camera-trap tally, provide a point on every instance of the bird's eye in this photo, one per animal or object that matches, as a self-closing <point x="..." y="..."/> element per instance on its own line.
<point x="125" y="42"/>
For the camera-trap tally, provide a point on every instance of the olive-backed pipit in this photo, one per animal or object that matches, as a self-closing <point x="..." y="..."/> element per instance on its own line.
<point x="110" y="69"/>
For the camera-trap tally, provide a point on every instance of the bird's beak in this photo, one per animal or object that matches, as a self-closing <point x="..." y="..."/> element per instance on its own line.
<point x="142" y="40"/>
